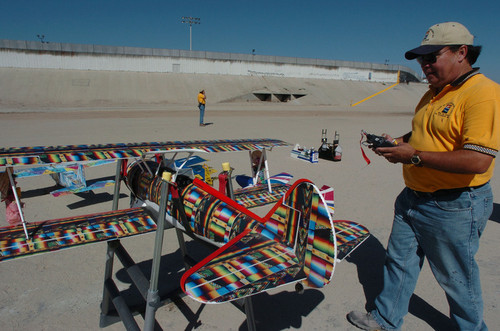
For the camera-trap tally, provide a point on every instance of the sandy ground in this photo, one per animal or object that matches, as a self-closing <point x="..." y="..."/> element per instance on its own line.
<point x="63" y="290"/>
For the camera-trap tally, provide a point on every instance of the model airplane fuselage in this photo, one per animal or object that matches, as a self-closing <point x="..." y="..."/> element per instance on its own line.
<point x="296" y="241"/>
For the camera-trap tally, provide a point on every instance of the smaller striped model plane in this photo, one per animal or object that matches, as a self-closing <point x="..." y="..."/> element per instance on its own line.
<point x="70" y="176"/>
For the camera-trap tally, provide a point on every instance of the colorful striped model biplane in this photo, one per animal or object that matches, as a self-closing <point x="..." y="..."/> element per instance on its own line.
<point x="297" y="242"/>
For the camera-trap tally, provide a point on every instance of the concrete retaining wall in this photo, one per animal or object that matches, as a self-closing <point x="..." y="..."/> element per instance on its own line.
<point x="34" y="54"/>
<point x="157" y="64"/>
<point x="35" y="88"/>
<point x="35" y="74"/>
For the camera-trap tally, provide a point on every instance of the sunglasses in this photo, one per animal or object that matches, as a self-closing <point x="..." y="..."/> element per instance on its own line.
<point x="430" y="58"/>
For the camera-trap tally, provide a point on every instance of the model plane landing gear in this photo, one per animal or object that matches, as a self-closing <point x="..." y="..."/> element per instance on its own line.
<point x="299" y="288"/>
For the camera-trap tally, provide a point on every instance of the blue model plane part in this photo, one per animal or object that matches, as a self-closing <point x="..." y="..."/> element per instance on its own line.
<point x="195" y="159"/>
<point x="80" y="189"/>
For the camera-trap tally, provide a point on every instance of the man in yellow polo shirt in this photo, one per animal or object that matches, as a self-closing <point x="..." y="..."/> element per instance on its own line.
<point x="202" y="100"/>
<point x="448" y="160"/>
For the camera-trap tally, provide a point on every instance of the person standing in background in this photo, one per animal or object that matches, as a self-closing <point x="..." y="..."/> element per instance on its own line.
<point x="201" y="105"/>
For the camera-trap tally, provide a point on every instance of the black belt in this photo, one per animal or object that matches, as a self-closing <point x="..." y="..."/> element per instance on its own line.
<point x="444" y="192"/>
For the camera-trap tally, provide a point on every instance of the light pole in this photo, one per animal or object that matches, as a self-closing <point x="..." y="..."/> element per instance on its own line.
<point x="41" y="37"/>
<point x="191" y="20"/>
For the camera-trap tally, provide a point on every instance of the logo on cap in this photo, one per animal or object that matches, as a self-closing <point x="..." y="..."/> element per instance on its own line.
<point x="428" y="35"/>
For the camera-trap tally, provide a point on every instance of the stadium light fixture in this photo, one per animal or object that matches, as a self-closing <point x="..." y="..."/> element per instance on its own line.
<point x="191" y="20"/>
<point x="42" y="37"/>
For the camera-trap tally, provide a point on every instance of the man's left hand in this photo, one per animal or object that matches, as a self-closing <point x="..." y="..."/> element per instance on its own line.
<point x="400" y="153"/>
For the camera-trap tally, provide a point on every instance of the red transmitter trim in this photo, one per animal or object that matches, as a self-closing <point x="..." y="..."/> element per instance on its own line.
<point x="210" y="190"/>
<point x="283" y="198"/>
<point x="212" y="256"/>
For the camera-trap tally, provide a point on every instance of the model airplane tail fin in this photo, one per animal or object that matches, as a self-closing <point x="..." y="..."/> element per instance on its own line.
<point x="327" y="193"/>
<point x="302" y="221"/>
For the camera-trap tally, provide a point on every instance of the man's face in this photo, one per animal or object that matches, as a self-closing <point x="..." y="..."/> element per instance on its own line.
<point x="440" y="68"/>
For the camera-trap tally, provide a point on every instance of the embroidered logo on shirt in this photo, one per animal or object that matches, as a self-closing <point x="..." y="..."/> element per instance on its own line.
<point x="446" y="111"/>
<point x="447" y="108"/>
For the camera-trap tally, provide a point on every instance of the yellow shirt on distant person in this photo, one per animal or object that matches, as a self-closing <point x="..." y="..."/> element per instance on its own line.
<point x="464" y="115"/>
<point x="201" y="98"/>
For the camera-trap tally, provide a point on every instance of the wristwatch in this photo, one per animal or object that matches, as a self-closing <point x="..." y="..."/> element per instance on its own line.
<point x="415" y="159"/>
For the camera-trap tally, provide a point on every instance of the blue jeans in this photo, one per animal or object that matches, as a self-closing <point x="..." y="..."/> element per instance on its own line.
<point x="202" y="112"/>
<point x="446" y="230"/>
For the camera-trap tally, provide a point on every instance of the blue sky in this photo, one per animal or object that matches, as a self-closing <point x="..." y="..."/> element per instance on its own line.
<point x="355" y="30"/>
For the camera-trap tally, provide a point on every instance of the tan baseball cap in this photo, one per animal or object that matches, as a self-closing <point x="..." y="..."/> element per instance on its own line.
<point x="441" y="35"/>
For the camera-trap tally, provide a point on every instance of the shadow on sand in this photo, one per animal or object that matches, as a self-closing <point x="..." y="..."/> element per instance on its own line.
<point x="369" y="259"/>
<point x="293" y="307"/>
<point x="495" y="215"/>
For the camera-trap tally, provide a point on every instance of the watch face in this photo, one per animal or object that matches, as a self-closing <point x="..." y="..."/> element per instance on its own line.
<point x="415" y="159"/>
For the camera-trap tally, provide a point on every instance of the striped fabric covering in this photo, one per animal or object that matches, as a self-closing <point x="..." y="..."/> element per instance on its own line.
<point x="69" y="232"/>
<point x="212" y="218"/>
<point x="259" y="195"/>
<point x="295" y="242"/>
<point x="308" y="229"/>
<point x="254" y="264"/>
<point x="206" y="214"/>
<point x="349" y="236"/>
<point x="70" y="190"/>
<point x="74" y="153"/>
<point x="55" y="169"/>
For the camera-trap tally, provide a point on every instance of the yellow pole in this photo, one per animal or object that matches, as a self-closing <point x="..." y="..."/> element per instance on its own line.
<point x="371" y="96"/>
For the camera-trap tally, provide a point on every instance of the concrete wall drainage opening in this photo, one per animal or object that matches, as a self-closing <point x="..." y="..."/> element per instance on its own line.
<point x="280" y="97"/>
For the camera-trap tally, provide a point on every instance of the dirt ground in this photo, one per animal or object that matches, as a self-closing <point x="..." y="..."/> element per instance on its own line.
<point x="63" y="290"/>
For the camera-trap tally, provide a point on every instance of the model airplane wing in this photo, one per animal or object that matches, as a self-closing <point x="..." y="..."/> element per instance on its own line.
<point x="349" y="236"/>
<point x="259" y="195"/>
<point x="74" y="231"/>
<point x="79" y="153"/>
<point x="56" y="169"/>
<point x="44" y="170"/>
<point x="249" y="264"/>
<point x="69" y="175"/>
<point x="81" y="189"/>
